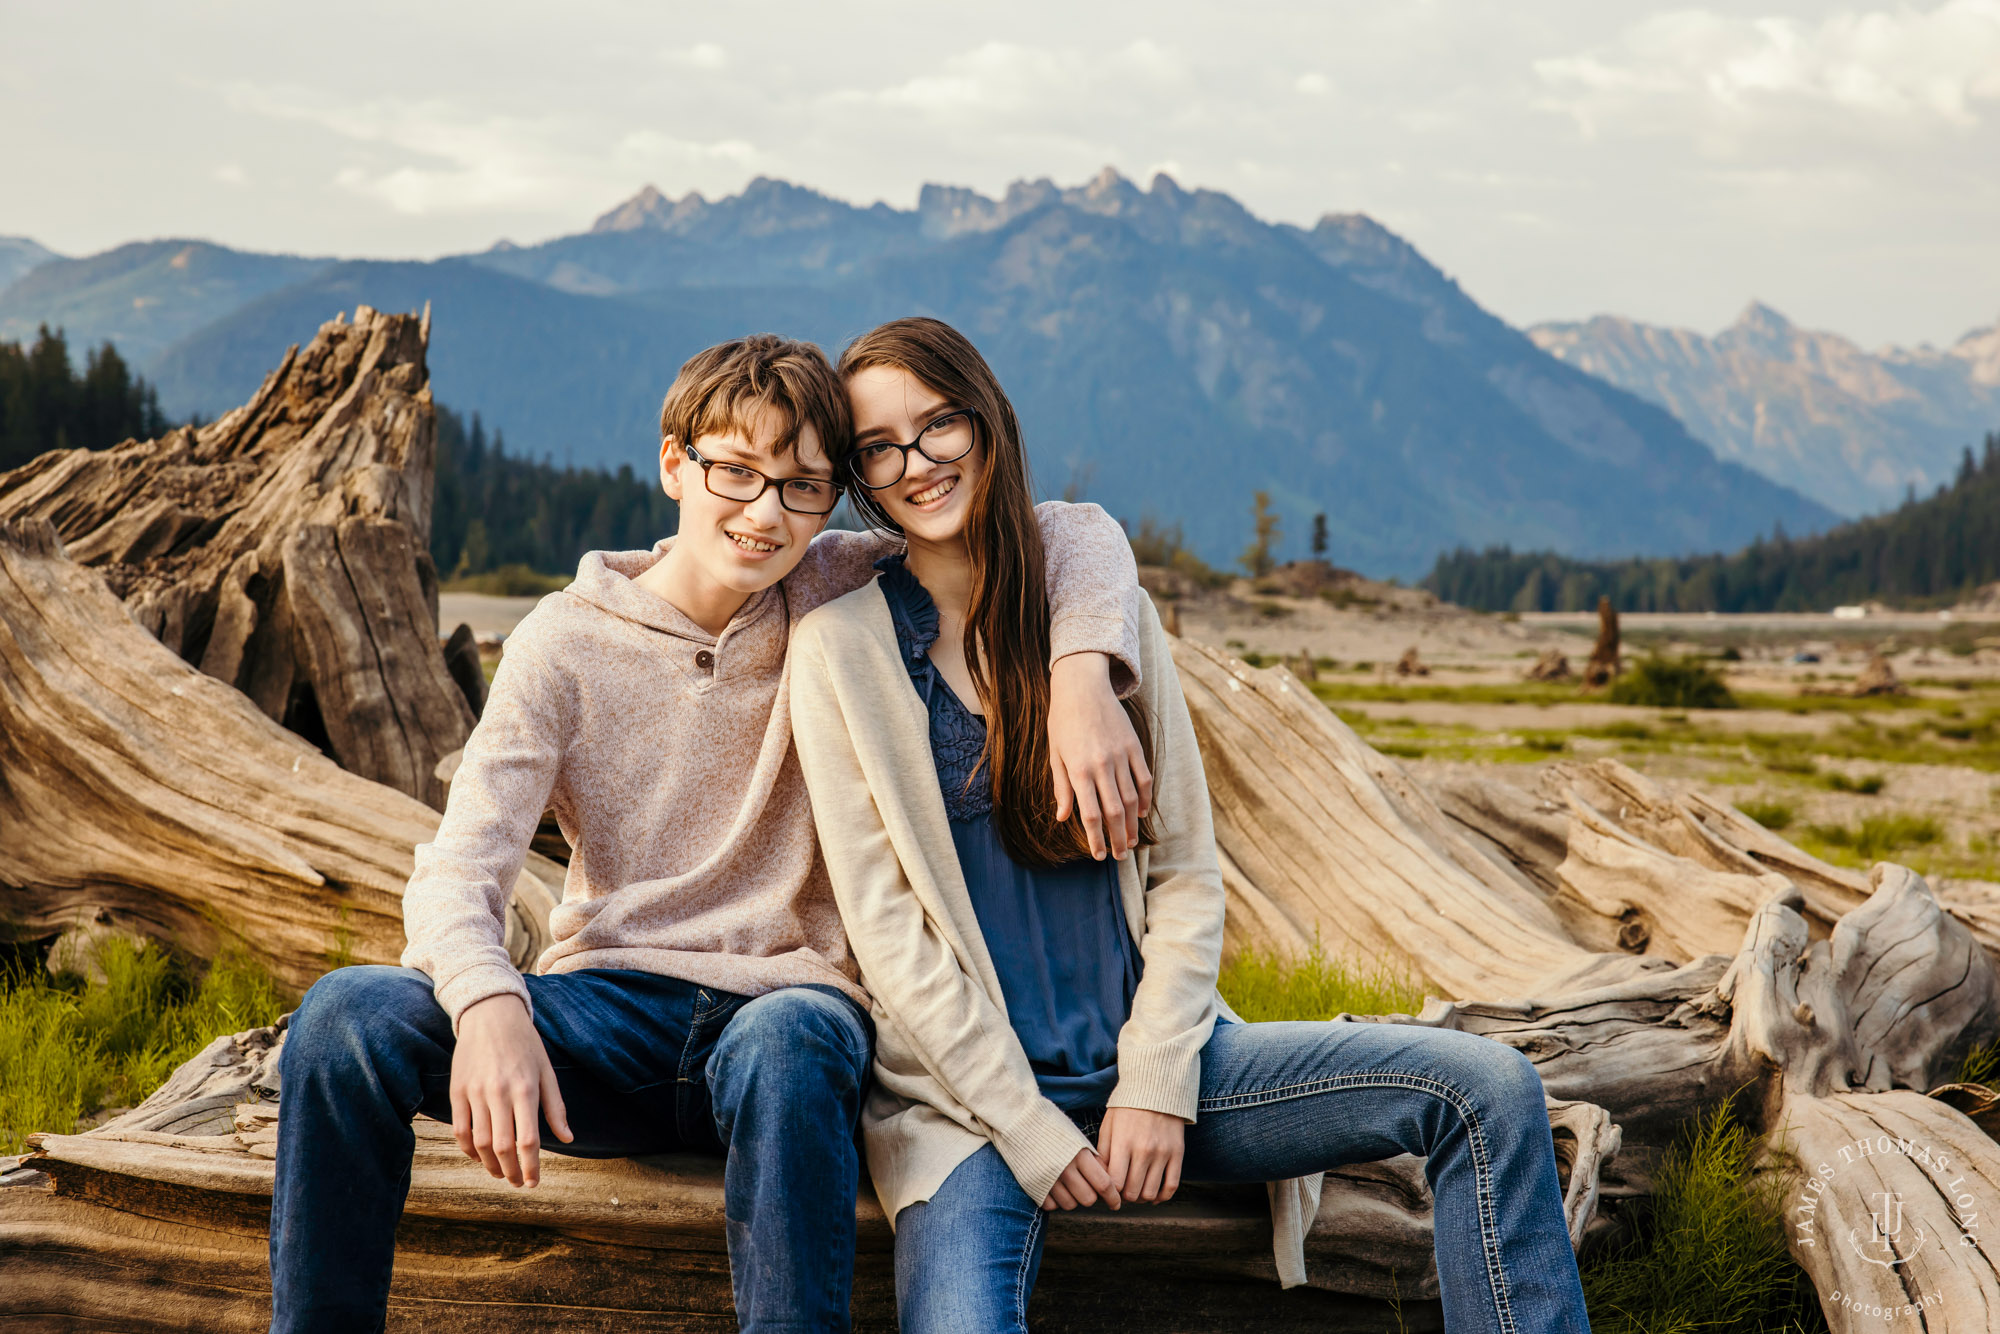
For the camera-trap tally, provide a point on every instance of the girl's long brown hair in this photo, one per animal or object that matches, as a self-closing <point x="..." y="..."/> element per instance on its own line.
<point x="1007" y="623"/>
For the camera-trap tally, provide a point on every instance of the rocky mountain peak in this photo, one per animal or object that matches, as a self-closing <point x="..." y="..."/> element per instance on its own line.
<point x="1980" y="350"/>
<point x="1761" y="330"/>
<point x="649" y="208"/>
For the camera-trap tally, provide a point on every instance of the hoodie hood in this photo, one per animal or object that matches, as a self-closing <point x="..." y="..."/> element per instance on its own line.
<point x="604" y="580"/>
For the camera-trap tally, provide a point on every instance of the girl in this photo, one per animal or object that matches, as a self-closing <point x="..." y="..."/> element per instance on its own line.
<point x="1048" y="1030"/>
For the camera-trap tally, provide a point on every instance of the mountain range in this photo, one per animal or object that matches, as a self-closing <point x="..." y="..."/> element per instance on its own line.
<point x="1852" y="429"/>
<point x="1170" y="353"/>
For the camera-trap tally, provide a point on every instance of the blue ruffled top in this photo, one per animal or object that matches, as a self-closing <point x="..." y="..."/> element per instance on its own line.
<point x="1059" y="940"/>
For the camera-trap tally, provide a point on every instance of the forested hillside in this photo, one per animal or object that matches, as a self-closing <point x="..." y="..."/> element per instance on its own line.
<point x="494" y="510"/>
<point x="1928" y="551"/>
<point x="45" y="404"/>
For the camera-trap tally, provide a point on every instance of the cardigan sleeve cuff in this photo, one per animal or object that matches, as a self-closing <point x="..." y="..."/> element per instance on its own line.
<point x="1039" y="1146"/>
<point x="481" y="982"/>
<point x="1165" y="1079"/>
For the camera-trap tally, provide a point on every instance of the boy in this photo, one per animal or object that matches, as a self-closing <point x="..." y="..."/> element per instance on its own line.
<point x="699" y="994"/>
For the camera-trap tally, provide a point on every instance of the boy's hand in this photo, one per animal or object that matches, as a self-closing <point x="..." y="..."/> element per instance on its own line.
<point x="1142" y="1152"/>
<point x="501" y="1085"/>
<point x="1083" y="1183"/>
<point x="1099" y="768"/>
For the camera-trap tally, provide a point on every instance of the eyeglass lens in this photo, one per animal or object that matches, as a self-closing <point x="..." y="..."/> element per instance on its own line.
<point x="945" y="440"/>
<point x="801" y="495"/>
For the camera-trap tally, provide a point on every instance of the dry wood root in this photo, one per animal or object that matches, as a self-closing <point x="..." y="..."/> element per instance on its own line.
<point x="283" y="548"/>
<point x="140" y="795"/>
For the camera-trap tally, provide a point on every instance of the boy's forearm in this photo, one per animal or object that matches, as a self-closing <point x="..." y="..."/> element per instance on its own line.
<point x="455" y="906"/>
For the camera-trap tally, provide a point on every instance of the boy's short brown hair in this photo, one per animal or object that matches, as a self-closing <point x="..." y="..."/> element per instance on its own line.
<point x="724" y="389"/>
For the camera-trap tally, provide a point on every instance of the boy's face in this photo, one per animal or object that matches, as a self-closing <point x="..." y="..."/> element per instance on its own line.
<point x="735" y="545"/>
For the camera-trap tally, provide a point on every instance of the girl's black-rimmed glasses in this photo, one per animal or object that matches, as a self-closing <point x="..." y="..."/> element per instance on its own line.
<point x="733" y="481"/>
<point x="946" y="439"/>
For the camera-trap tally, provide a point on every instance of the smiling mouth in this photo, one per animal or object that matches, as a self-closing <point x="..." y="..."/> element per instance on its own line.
<point x="751" y="544"/>
<point x="936" y="491"/>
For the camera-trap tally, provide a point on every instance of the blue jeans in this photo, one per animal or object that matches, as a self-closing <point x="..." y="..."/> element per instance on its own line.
<point x="1286" y="1100"/>
<point x="647" y="1064"/>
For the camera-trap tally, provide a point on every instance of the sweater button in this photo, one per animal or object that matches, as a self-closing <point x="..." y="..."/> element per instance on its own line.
<point x="705" y="660"/>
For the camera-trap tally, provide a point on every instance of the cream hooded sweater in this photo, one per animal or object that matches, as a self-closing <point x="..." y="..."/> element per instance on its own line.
<point x="666" y="754"/>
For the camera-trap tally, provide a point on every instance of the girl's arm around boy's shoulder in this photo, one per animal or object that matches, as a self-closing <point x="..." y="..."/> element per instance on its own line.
<point x="1173" y="1012"/>
<point x="454" y="908"/>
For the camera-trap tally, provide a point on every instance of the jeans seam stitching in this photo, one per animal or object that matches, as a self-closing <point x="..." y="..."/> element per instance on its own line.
<point x="1496" y="1271"/>
<point x="1021" y="1274"/>
<point x="682" y="1073"/>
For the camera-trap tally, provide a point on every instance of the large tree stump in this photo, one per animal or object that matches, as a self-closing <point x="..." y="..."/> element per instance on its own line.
<point x="283" y="548"/>
<point x="141" y="795"/>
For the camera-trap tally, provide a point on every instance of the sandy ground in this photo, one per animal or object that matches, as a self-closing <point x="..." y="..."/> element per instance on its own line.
<point x="486" y="615"/>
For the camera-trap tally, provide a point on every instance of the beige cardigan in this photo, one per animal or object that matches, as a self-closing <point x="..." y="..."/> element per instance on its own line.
<point x="950" y="1075"/>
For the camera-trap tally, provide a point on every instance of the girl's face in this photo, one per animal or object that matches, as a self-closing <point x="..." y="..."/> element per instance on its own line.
<point x="930" y="501"/>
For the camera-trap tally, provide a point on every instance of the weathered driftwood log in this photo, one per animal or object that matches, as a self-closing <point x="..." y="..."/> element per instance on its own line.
<point x="1323" y="837"/>
<point x="138" y="794"/>
<point x="1480" y="887"/>
<point x="1828" y="1001"/>
<point x="283" y="548"/>
<point x="161" y="1214"/>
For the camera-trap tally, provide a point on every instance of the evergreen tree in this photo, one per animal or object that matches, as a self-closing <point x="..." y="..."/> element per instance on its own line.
<point x="1257" y="557"/>
<point x="45" y="405"/>
<point x="491" y="510"/>
<point x="1319" y="537"/>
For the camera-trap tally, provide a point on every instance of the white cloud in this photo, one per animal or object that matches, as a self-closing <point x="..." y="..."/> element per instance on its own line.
<point x="231" y="173"/>
<point x="1908" y="67"/>
<point x="434" y="157"/>
<point x="998" y="78"/>
<point x="1836" y="156"/>
<point x="702" y="55"/>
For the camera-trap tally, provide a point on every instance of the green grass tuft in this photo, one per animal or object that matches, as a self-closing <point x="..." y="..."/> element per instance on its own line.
<point x="69" y="1049"/>
<point x="1877" y="836"/>
<point x="1773" y="815"/>
<point x="1262" y="987"/>
<point x="1711" y="1256"/>
<point x="1672" y="683"/>
<point x="1980" y="1066"/>
<point x="510" y="581"/>
<point x="1867" y="784"/>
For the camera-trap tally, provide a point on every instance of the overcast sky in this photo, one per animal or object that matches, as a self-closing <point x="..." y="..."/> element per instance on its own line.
<point x="1561" y="158"/>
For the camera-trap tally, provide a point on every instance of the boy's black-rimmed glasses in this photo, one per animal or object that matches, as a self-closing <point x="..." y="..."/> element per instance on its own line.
<point x="733" y="481"/>
<point x="947" y="439"/>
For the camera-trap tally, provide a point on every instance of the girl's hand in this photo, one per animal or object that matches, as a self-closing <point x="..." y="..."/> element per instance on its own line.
<point x="1142" y="1152"/>
<point x="1098" y="766"/>
<point x="1082" y="1183"/>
